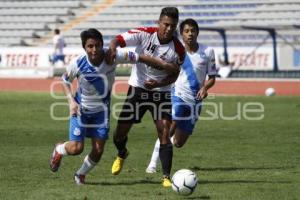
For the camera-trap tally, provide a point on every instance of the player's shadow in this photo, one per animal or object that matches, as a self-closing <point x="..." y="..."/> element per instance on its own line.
<point x="144" y="181"/>
<point x="228" y="169"/>
<point x="135" y="182"/>
<point x="203" y="197"/>
<point x="241" y="182"/>
<point x="237" y="168"/>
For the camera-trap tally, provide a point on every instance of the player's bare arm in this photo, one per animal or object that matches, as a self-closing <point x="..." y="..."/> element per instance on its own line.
<point x="112" y="51"/>
<point x="128" y="56"/>
<point x="171" y="78"/>
<point x="203" y="92"/>
<point x="159" y="64"/>
<point x="73" y="106"/>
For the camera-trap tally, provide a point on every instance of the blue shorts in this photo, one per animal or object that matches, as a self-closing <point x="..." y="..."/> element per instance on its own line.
<point x="93" y="125"/>
<point x="185" y="115"/>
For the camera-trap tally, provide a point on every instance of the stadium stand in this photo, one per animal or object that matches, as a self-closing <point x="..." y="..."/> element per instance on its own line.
<point x="42" y="16"/>
<point x="33" y="19"/>
<point x="31" y="23"/>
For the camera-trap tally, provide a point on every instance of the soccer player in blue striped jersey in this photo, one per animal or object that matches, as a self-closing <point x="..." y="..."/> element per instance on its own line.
<point x="189" y="89"/>
<point x="89" y="109"/>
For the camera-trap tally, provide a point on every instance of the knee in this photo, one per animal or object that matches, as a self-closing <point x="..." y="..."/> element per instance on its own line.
<point x="166" y="124"/>
<point x="163" y="127"/>
<point x="177" y="143"/>
<point x="160" y="130"/>
<point x="97" y="151"/>
<point x="77" y="148"/>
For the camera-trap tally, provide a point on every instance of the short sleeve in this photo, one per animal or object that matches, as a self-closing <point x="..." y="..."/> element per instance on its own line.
<point x="71" y="72"/>
<point x="134" y="37"/>
<point x="180" y="51"/>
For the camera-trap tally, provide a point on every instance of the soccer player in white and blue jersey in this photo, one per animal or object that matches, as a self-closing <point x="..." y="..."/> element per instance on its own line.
<point x="89" y="109"/>
<point x="59" y="45"/>
<point x="189" y="89"/>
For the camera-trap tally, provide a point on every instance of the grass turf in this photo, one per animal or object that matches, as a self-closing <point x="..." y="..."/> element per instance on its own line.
<point x="234" y="159"/>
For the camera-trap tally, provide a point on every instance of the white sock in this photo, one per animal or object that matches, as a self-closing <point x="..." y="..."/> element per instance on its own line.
<point x="61" y="149"/>
<point x="172" y="139"/>
<point x="155" y="155"/>
<point x="87" y="165"/>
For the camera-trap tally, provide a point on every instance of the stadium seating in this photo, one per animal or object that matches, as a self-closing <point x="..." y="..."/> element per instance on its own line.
<point x="223" y="13"/>
<point x="31" y="23"/>
<point x="36" y="19"/>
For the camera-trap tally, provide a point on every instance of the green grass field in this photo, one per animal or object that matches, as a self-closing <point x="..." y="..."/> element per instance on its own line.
<point x="234" y="159"/>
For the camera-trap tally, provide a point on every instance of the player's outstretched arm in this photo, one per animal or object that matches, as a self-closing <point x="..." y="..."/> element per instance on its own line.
<point x="128" y="56"/>
<point x="157" y="63"/>
<point x="171" y="78"/>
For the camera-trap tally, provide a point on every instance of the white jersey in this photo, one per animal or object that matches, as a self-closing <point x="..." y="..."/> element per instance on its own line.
<point x="94" y="83"/>
<point x="193" y="73"/>
<point x="59" y="44"/>
<point x="146" y="41"/>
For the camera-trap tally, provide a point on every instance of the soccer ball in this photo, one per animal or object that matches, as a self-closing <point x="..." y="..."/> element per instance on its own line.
<point x="270" y="92"/>
<point x="184" y="182"/>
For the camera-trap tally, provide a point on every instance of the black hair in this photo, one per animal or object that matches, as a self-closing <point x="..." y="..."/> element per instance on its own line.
<point x="170" y="12"/>
<point x="56" y="31"/>
<point x="90" y="33"/>
<point x="190" y="22"/>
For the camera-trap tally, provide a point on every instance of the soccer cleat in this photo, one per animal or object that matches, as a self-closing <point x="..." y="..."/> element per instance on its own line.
<point x="55" y="160"/>
<point x="79" y="179"/>
<point x="118" y="164"/>
<point x="151" y="170"/>
<point x="166" y="181"/>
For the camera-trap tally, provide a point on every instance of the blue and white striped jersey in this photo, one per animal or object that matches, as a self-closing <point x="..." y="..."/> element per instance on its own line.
<point x="94" y="83"/>
<point x="193" y="73"/>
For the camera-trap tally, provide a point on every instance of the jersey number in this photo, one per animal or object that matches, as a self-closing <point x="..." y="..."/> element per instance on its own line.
<point x="151" y="47"/>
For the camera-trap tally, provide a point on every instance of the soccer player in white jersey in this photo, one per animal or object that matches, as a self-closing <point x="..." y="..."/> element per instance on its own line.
<point x="189" y="89"/>
<point x="149" y="87"/>
<point x="89" y="109"/>
<point x="59" y="45"/>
